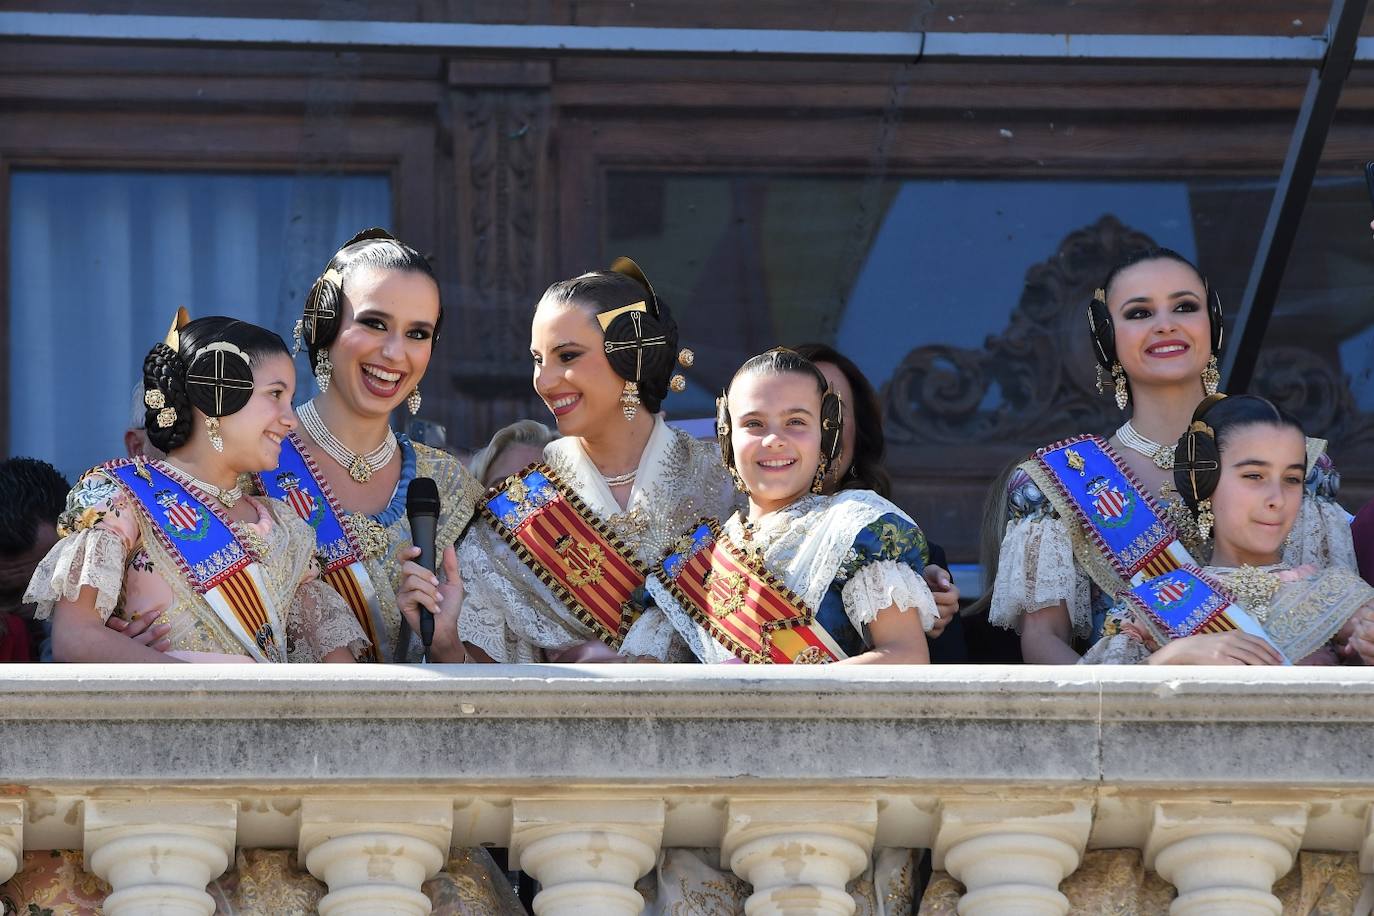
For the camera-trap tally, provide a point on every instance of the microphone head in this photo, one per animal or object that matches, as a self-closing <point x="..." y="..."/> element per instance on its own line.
<point x="422" y="497"/>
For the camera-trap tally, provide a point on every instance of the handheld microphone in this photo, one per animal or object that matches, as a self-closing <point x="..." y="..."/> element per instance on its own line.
<point x="422" y="508"/>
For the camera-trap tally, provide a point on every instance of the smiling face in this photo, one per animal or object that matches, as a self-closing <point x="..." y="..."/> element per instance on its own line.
<point x="1260" y="492"/>
<point x="385" y="339"/>
<point x="252" y="436"/>
<point x="775" y="434"/>
<point x="571" y="372"/>
<point x="1159" y="316"/>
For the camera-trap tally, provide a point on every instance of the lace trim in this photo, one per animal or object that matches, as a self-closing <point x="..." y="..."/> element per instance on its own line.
<point x="879" y="585"/>
<point x="1121" y="649"/>
<point x="92" y="557"/>
<point x="1321" y="537"/>
<point x="318" y="622"/>
<point x="1037" y="570"/>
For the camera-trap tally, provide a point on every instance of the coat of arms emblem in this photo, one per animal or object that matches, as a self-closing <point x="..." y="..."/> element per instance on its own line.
<point x="1111" y="505"/>
<point x="583" y="560"/>
<point x="184" y="521"/>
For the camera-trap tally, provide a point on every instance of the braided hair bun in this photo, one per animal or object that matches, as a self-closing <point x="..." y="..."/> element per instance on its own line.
<point x="1197" y="457"/>
<point x="164" y="372"/>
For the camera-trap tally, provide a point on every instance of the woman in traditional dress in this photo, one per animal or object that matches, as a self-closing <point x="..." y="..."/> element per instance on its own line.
<point x="556" y="567"/>
<point x="369" y="325"/>
<point x="1156" y="326"/>
<point x="1240" y="470"/>
<point x="837" y="575"/>
<point x="232" y="576"/>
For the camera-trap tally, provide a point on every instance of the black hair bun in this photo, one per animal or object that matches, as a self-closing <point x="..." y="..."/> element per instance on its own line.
<point x="165" y="371"/>
<point x="323" y="312"/>
<point x="368" y="235"/>
<point x="219" y="381"/>
<point x="654" y="362"/>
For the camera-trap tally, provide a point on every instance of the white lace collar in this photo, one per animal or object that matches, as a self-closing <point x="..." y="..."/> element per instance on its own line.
<point x="570" y="458"/>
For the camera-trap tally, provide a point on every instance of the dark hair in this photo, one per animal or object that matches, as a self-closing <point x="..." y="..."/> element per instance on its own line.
<point x="31" y="492"/>
<point x="165" y="370"/>
<point x="602" y="290"/>
<point x="1197" y="457"/>
<point x="782" y="361"/>
<point x="1149" y="254"/>
<point x="866" y="471"/>
<point x="369" y="248"/>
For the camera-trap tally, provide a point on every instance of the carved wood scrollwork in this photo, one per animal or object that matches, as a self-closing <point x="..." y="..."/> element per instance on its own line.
<point x="501" y="144"/>
<point x="1032" y="383"/>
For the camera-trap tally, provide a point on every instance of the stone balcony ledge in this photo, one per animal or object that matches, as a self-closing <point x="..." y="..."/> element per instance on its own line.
<point x="950" y="758"/>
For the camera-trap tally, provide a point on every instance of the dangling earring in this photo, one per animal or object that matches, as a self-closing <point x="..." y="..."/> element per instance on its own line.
<point x="212" y="426"/>
<point x="1205" y="519"/>
<point x="1211" y="376"/>
<point x="629" y="400"/>
<point x="1101" y="388"/>
<point x="739" y="481"/>
<point x="1123" y="394"/>
<point x="817" y="482"/>
<point x="298" y="336"/>
<point x="324" y="370"/>
<point x="413" y="401"/>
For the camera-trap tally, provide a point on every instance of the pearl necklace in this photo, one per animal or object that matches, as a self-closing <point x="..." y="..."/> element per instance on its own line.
<point x="620" y="480"/>
<point x="360" y="467"/>
<point x="227" y="498"/>
<point x="1161" y="455"/>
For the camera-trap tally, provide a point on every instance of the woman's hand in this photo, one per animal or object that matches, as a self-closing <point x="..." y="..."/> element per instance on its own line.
<point x="1234" y="648"/>
<point x="144" y="630"/>
<point x="420" y="588"/>
<point x="946" y="598"/>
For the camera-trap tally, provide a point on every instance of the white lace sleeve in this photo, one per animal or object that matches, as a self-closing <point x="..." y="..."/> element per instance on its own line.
<point x="1321" y="536"/>
<point x="320" y="621"/>
<point x="1036" y="570"/>
<point x="653" y="635"/>
<point x="879" y="585"/>
<point x="92" y="557"/>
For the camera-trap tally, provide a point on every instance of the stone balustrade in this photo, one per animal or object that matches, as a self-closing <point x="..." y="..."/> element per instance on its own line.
<point x="1219" y="776"/>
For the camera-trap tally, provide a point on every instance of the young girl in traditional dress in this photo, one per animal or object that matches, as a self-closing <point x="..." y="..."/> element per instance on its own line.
<point x="800" y="576"/>
<point x="1156" y="327"/>
<point x="1240" y="470"/>
<point x="232" y="576"/>
<point x="555" y="568"/>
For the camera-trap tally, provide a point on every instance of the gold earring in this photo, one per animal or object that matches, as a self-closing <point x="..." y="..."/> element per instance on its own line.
<point x="212" y="426"/>
<point x="629" y="400"/>
<point x="413" y="401"/>
<point x="1205" y="519"/>
<point x="298" y="336"/>
<point x="324" y="370"/>
<point x="817" y="482"/>
<point x="678" y="383"/>
<point x="1211" y="376"/>
<point x="1101" y="389"/>
<point x="1123" y="394"/>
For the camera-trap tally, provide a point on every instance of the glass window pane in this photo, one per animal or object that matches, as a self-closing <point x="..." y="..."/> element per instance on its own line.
<point x="100" y="260"/>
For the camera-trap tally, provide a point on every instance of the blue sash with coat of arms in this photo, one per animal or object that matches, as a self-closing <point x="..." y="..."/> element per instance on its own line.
<point x="210" y="555"/>
<point x="1185" y="602"/>
<point x="298" y="483"/>
<point x="1123" y="522"/>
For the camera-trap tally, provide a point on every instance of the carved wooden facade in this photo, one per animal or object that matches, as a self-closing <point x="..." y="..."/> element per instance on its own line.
<point x="500" y="168"/>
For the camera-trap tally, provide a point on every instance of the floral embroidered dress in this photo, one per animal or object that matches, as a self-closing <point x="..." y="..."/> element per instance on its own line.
<point x="111" y="545"/>
<point x="372" y="541"/>
<point x="1046" y="558"/>
<point x="514" y="617"/>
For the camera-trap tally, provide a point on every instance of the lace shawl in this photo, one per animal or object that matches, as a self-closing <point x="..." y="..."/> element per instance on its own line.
<point x="513" y="617"/>
<point x="107" y="541"/>
<point x="1305" y="615"/>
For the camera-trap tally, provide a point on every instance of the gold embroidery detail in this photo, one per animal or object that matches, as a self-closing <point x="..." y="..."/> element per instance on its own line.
<point x="584" y="561"/>
<point x="725" y="592"/>
<point x="811" y="655"/>
<point x="371" y="537"/>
